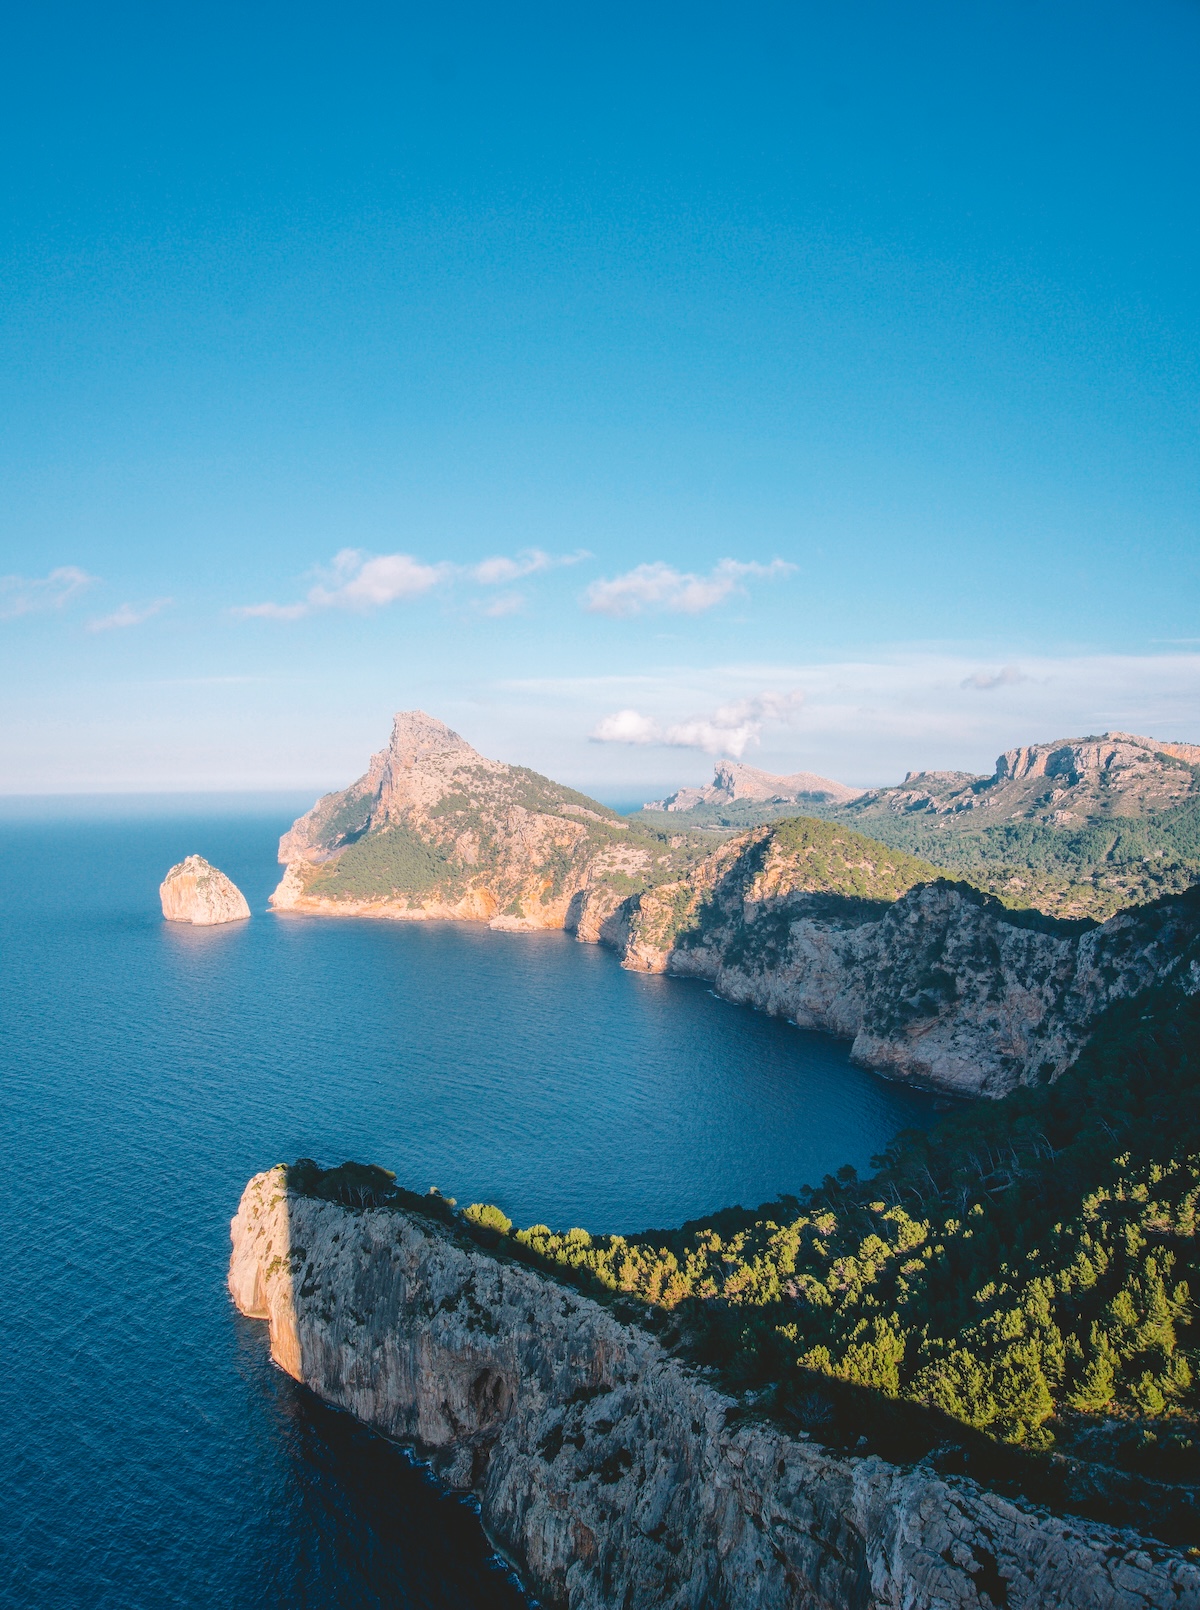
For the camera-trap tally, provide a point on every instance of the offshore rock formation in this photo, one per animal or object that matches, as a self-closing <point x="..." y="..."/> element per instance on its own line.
<point x="617" y="1476"/>
<point x="197" y="893"/>
<point x="943" y="986"/>
<point x="734" y="783"/>
<point x="434" y="829"/>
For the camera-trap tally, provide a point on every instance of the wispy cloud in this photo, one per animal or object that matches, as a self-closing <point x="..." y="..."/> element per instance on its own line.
<point x="363" y="582"/>
<point x="129" y="615"/>
<point x="502" y="570"/>
<point x="660" y="588"/>
<point x="357" y="581"/>
<point x="26" y="595"/>
<point x="729" y="730"/>
<point x="506" y="604"/>
<point x="984" y="681"/>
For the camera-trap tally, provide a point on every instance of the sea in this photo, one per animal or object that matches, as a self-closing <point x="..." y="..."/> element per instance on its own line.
<point x="153" y="1456"/>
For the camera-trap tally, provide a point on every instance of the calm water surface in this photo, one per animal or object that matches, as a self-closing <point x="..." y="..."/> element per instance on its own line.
<point x="153" y="1456"/>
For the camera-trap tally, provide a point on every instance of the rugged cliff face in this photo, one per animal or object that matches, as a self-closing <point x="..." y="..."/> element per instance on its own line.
<point x="197" y="893"/>
<point x="434" y="829"/>
<point x="615" y="1475"/>
<point x="943" y="985"/>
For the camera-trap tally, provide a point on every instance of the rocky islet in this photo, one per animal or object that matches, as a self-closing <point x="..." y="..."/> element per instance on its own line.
<point x="195" y="892"/>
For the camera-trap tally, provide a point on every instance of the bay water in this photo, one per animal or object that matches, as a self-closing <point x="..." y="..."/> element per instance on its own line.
<point x="154" y="1457"/>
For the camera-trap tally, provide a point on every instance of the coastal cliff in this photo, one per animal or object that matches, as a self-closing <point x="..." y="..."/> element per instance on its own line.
<point x="614" y="1474"/>
<point x="943" y="985"/>
<point x="198" y="893"/>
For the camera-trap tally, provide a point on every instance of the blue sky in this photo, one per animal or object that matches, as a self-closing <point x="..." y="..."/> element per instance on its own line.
<point x="817" y="384"/>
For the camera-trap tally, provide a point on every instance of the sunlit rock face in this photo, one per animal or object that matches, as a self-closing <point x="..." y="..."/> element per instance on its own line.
<point x="618" y="1477"/>
<point x="433" y="829"/>
<point x="198" y="893"/>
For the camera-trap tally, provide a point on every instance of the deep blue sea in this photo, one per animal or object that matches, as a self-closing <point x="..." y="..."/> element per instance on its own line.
<point x="152" y="1455"/>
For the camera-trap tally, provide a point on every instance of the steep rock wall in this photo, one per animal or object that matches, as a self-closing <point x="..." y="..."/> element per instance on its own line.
<point x="614" y="1475"/>
<point x="943" y="986"/>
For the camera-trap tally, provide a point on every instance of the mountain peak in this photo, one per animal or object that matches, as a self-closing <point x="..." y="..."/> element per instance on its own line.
<point x="734" y="781"/>
<point x="416" y="736"/>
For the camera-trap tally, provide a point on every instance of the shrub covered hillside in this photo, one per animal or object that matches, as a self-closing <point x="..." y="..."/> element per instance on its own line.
<point x="435" y="828"/>
<point x="1028" y="1271"/>
<point x="1013" y="1294"/>
<point x="772" y="867"/>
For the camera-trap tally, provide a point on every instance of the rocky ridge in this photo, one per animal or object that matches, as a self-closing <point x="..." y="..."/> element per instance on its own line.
<point x="434" y="829"/>
<point x="933" y="981"/>
<point x="1080" y="827"/>
<point x="734" y="783"/>
<point x="616" y="1475"/>
<point x="1067" y="782"/>
<point x="195" y="892"/>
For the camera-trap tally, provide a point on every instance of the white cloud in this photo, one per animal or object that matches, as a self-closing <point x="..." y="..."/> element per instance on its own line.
<point x="728" y="731"/>
<point x="357" y="581"/>
<point x="501" y="570"/>
<point x="660" y="587"/>
<point x="128" y="615"/>
<point x="628" y="727"/>
<point x="272" y="612"/>
<point x="25" y="595"/>
<point x="984" y="681"/>
<point x="364" y="582"/>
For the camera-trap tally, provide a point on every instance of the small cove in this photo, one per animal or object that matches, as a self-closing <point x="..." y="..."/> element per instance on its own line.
<point x="148" y="1070"/>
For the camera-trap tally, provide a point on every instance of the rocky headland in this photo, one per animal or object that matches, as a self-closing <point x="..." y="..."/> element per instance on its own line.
<point x="434" y="829"/>
<point x="195" y="892"/>
<point x="933" y="980"/>
<point x="617" y="1475"/>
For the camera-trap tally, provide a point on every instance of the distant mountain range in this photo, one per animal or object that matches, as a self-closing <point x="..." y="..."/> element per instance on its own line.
<point x="1079" y="827"/>
<point x="735" y="784"/>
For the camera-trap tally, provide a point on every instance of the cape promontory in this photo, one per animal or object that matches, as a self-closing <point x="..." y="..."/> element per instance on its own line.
<point x="195" y="892"/>
<point x="617" y="1475"/>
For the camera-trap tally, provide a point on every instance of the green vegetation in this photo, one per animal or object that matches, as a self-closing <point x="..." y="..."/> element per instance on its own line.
<point x="1092" y="869"/>
<point x="488" y="1217"/>
<point x="831" y="859"/>
<point x="1012" y="1293"/>
<point x="390" y="862"/>
<point x="857" y="876"/>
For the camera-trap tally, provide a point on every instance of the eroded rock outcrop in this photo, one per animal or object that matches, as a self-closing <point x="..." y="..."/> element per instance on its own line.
<point x="195" y="892"/>
<point x="615" y="1475"/>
